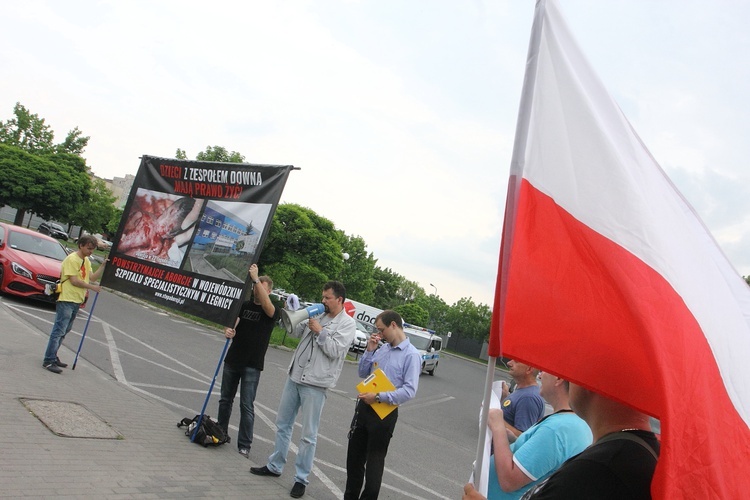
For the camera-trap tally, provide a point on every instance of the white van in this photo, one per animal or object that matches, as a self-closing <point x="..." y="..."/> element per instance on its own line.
<point x="428" y="343"/>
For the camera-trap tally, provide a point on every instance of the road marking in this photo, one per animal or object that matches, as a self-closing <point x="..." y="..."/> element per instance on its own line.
<point x="161" y="353"/>
<point x="296" y="424"/>
<point x="414" y="483"/>
<point x="113" y="354"/>
<point x="315" y="470"/>
<point x="427" y="402"/>
<point x="168" y="388"/>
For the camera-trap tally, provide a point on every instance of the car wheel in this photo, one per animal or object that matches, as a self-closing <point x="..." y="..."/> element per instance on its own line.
<point x="432" y="372"/>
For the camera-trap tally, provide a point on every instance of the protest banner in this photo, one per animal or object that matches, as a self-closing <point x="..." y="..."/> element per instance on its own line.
<point x="189" y="232"/>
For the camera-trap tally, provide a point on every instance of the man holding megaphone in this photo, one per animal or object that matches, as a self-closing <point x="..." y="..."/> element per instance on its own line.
<point x="315" y="367"/>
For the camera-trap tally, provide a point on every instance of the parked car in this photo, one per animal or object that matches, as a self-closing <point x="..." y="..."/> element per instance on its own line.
<point x="101" y="243"/>
<point x="28" y="261"/>
<point x="53" y="229"/>
<point x="428" y="344"/>
<point x="364" y="330"/>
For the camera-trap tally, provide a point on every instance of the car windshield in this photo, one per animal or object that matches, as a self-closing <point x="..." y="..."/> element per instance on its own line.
<point x="36" y="245"/>
<point x="57" y="226"/>
<point x="421" y="343"/>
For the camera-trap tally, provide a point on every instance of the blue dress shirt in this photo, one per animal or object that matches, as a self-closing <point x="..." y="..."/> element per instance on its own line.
<point x="402" y="365"/>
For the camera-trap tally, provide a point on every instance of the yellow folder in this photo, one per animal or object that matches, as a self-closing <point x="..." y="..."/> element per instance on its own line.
<point x="376" y="382"/>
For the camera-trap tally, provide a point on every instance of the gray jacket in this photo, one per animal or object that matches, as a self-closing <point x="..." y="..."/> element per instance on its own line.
<point x="324" y="355"/>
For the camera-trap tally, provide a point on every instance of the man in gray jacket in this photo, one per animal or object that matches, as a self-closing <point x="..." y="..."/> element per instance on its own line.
<point x="315" y="367"/>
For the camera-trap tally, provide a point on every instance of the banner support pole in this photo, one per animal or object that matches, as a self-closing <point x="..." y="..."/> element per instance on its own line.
<point x="85" y="329"/>
<point x="210" y="389"/>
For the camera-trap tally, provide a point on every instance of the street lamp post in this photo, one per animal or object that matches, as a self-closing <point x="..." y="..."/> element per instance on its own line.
<point x="344" y="258"/>
<point x="433" y="286"/>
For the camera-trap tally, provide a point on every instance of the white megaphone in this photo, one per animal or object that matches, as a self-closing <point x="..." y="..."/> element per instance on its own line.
<point x="291" y="319"/>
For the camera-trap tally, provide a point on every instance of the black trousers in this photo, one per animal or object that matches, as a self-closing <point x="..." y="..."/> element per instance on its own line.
<point x="365" y="457"/>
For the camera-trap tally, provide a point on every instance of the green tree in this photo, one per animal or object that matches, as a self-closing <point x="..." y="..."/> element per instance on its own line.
<point x="357" y="273"/>
<point x="94" y="215"/>
<point x="386" y="284"/>
<point x="37" y="175"/>
<point x="213" y="153"/>
<point x="114" y="222"/>
<point x="302" y="251"/>
<point x="49" y="185"/>
<point x="414" y="314"/>
<point x="392" y="289"/>
<point x="219" y="153"/>
<point x="438" y="311"/>
<point x="466" y="319"/>
<point x="27" y="131"/>
<point x="75" y="142"/>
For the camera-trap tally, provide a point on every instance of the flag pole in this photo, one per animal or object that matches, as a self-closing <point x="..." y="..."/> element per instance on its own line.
<point x="517" y="163"/>
<point x="85" y="329"/>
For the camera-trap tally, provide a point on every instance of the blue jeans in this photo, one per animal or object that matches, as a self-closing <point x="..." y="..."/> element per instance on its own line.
<point x="65" y="314"/>
<point x="231" y="378"/>
<point x="310" y="399"/>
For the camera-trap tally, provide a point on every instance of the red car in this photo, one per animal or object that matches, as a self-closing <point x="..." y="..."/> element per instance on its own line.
<point x="28" y="261"/>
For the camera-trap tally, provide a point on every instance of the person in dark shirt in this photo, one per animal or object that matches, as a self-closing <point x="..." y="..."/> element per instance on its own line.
<point x="619" y="465"/>
<point x="244" y="360"/>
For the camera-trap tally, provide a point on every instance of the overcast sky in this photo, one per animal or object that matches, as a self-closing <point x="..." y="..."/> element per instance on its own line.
<point x="400" y="113"/>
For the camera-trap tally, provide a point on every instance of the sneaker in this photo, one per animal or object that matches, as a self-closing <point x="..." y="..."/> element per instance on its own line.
<point x="52" y="367"/>
<point x="60" y="363"/>
<point x="297" y="490"/>
<point x="263" y="471"/>
<point x="245" y="452"/>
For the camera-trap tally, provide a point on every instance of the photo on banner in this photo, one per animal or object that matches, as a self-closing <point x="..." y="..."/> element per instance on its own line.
<point x="189" y="232"/>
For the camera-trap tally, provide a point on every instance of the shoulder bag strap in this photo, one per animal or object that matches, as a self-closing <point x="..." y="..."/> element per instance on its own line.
<point x="629" y="437"/>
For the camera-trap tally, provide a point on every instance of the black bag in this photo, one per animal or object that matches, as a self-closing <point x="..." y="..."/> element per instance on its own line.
<point x="209" y="434"/>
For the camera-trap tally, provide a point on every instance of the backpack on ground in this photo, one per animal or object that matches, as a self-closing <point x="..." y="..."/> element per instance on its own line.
<point x="209" y="434"/>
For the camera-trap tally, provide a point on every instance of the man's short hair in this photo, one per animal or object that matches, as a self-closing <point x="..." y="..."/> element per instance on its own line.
<point x="338" y="289"/>
<point x="388" y="316"/>
<point x="87" y="240"/>
<point x="266" y="279"/>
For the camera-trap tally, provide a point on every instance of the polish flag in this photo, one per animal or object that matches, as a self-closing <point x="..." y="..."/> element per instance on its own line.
<point x="609" y="278"/>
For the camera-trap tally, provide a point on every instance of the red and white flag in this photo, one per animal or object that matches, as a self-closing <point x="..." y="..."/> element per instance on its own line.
<point x="609" y="278"/>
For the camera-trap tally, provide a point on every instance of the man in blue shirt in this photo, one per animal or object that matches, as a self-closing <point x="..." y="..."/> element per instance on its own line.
<point x="370" y="435"/>
<point x="523" y="407"/>
<point x="541" y="449"/>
